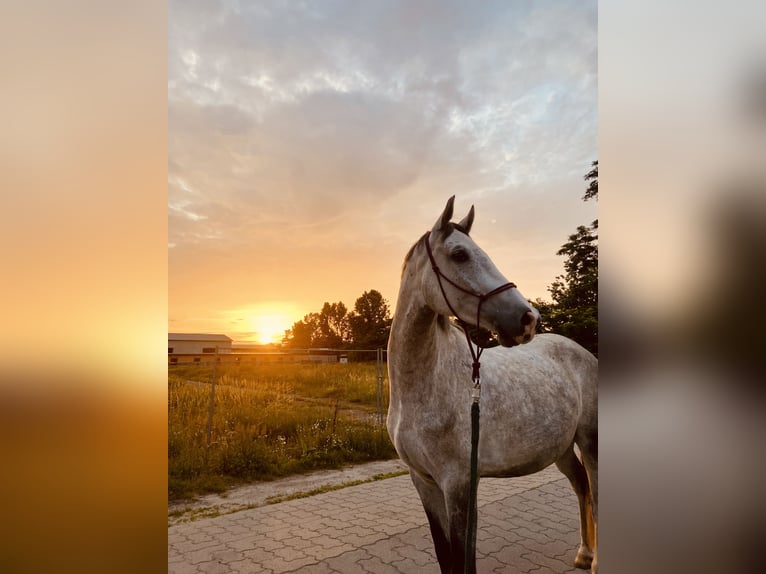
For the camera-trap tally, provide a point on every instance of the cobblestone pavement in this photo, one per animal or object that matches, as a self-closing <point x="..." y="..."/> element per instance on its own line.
<point x="526" y="524"/>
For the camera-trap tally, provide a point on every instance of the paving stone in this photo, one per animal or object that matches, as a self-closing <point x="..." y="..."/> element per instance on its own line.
<point x="526" y="524"/>
<point x="203" y="555"/>
<point x="283" y="566"/>
<point x="248" y="567"/>
<point x="214" y="568"/>
<point x="318" y="568"/>
<point x="182" y="568"/>
<point x="349" y="561"/>
<point x="377" y="566"/>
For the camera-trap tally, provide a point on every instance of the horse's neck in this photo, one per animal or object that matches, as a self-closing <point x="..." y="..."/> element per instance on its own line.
<point x="413" y="335"/>
<point x="418" y="336"/>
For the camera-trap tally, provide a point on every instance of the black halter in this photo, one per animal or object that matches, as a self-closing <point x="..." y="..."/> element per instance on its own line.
<point x="475" y="354"/>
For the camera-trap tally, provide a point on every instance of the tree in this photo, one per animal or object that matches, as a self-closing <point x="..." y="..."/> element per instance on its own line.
<point x="592" y="176"/>
<point x="370" y="321"/>
<point x="333" y="329"/>
<point x="366" y="327"/>
<point x="304" y="332"/>
<point x="574" y="310"/>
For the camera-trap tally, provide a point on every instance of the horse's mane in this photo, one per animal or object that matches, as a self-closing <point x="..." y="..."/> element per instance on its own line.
<point x="452" y="227"/>
<point x="412" y="250"/>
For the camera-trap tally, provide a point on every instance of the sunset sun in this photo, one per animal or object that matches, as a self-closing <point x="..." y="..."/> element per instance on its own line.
<point x="269" y="326"/>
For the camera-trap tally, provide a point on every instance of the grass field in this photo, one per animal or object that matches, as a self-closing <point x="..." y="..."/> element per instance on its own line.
<point x="270" y="421"/>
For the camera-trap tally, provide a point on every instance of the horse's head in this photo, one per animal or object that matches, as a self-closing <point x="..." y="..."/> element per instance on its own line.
<point x="465" y="283"/>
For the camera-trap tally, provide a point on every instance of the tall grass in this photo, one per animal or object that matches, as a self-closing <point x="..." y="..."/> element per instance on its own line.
<point x="270" y="421"/>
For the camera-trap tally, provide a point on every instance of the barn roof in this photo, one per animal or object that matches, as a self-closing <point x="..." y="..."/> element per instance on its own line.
<point x="198" y="337"/>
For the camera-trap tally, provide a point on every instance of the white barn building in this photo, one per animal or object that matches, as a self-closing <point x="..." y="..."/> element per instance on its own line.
<point x="197" y="344"/>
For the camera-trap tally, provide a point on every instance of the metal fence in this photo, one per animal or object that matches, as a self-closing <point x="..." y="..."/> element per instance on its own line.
<point x="216" y="359"/>
<point x="239" y="355"/>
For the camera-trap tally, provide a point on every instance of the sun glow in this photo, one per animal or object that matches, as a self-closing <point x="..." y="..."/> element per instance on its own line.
<point x="270" y="328"/>
<point x="267" y="324"/>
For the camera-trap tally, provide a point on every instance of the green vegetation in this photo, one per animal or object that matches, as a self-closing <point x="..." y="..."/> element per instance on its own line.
<point x="574" y="310"/>
<point x="270" y="421"/>
<point x="330" y="487"/>
<point x="366" y="327"/>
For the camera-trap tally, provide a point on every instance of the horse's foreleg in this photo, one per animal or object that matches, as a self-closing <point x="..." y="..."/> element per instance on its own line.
<point x="432" y="498"/>
<point x="573" y="469"/>
<point x="589" y="450"/>
<point x="456" y="498"/>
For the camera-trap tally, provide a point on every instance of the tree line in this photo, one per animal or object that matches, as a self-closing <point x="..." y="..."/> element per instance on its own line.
<point x="574" y="309"/>
<point x="367" y="326"/>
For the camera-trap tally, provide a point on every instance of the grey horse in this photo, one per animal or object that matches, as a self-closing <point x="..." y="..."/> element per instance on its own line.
<point x="538" y="393"/>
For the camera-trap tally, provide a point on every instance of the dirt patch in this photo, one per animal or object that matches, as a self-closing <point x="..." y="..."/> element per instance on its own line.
<point x="261" y="493"/>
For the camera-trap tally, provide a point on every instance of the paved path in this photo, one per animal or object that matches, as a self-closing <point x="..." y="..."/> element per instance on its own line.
<point x="526" y="524"/>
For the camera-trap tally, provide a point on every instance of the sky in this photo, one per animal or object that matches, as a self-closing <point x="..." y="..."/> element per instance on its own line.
<point x="310" y="144"/>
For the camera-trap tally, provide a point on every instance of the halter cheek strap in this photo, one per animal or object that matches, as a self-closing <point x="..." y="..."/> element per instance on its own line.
<point x="475" y="353"/>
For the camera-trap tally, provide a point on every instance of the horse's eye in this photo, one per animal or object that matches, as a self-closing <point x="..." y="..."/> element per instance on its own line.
<point x="459" y="256"/>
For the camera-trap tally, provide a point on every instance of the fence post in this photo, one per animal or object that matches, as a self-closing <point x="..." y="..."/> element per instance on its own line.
<point x="379" y="368"/>
<point x="212" y="406"/>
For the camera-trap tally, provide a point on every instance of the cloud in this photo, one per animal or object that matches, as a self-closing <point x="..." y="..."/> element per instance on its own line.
<point x="347" y="125"/>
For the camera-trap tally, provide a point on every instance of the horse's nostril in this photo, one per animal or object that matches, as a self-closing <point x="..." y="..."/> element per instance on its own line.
<point x="527" y="318"/>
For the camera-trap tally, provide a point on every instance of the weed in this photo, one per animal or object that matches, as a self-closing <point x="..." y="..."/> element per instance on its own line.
<point x="269" y="421"/>
<point x="330" y="487"/>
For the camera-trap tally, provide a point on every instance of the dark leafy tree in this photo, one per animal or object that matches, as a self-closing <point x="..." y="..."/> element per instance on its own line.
<point x="370" y="321"/>
<point x="574" y="310"/>
<point x="333" y="329"/>
<point x="304" y="332"/>
<point x="366" y="327"/>
<point x="592" y="176"/>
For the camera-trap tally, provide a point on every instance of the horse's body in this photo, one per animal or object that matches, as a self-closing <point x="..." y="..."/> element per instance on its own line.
<point x="537" y="400"/>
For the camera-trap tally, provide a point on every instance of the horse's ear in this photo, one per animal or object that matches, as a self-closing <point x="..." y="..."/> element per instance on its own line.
<point x="467" y="222"/>
<point x="442" y="224"/>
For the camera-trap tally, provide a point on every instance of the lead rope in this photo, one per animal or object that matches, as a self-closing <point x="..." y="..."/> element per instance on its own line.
<point x="472" y="517"/>
<point x="473" y="488"/>
<point x="469" y="565"/>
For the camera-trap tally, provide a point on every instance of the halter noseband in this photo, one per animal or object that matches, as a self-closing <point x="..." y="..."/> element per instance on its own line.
<point x="475" y="354"/>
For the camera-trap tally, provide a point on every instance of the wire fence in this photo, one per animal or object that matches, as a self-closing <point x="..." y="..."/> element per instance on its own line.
<point x="246" y="355"/>
<point x="228" y="363"/>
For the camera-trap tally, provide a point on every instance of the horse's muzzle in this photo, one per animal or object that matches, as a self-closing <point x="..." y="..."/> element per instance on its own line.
<point x="524" y="332"/>
<point x="528" y="324"/>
